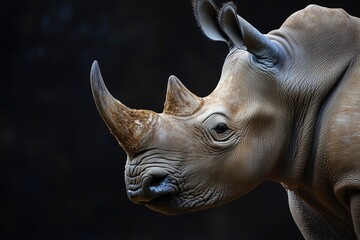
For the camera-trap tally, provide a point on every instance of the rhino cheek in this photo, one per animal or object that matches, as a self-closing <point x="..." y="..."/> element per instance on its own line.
<point x="256" y="157"/>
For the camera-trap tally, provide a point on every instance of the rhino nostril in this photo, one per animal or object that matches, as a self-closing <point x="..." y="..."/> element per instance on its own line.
<point x="152" y="186"/>
<point x="157" y="181"/>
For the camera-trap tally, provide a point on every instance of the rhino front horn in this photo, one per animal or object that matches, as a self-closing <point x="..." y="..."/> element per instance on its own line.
<point x="130" y="127"/>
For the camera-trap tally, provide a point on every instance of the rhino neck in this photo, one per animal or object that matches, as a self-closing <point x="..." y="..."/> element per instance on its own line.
<point x="311" y="77"/>
<point x="306" y="113"/>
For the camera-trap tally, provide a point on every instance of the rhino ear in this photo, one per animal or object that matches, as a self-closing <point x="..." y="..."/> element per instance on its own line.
<point x="244" y="36"/>
<point x="206" y="14"/>
<point x="179" y="100"/>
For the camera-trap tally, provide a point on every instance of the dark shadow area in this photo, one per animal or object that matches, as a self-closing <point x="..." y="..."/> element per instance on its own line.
<point x="61" y="171"/>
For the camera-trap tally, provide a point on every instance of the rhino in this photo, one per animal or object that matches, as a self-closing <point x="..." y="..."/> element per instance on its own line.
<point x="286" y="109"/>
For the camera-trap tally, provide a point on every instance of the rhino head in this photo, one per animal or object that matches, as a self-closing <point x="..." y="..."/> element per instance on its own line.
<point x="202" y="152"/>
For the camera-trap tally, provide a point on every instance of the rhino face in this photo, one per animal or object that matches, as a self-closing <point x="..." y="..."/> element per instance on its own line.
<point x="202" y="152"/>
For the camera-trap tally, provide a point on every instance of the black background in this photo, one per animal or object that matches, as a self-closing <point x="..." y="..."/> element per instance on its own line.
<point x="61" y="171"/>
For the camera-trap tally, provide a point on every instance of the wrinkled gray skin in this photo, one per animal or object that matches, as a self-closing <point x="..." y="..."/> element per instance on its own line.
<point x="286" y="109"/>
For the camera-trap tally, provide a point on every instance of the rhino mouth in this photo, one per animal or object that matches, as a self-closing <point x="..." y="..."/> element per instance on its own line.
<point x="165" y="195"/>
<point x="166" y="204"/>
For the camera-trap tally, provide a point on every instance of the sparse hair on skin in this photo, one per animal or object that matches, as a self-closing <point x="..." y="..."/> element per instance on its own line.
<point x="232" y="4"/>
<point x="220" y="13"/>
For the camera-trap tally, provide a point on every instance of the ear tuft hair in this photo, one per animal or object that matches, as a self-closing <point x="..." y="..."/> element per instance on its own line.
<point x="225" y="5"/>
<point x="206" y="13"/>
<point x="193" y="2"/>
<point x="195" y="12"/>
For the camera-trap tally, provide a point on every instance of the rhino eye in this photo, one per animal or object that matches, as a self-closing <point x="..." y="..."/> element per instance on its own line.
<point x="217" y="129"/>
<point x="220" y="128"/>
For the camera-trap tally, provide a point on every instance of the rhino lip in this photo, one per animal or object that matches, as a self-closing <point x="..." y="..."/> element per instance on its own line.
<point x="153" y="187"/>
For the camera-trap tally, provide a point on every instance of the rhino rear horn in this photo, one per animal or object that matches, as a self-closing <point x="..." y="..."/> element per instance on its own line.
<point x="206" y="14"/>
<point x="244" y="36"/>
<point x="179" y="100"/>
<point x="130" y="127"/>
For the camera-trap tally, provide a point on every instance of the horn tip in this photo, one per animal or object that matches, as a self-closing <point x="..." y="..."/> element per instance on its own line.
<point x="94" y="69"/>
<point x="96" y="80"/>
<point x="174" y="83"/>
<point x="173" y="79"/>
<point x="98" y="87"/>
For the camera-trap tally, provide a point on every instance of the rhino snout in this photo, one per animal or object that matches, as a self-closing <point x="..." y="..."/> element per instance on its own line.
<point x="152" y="187"/>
